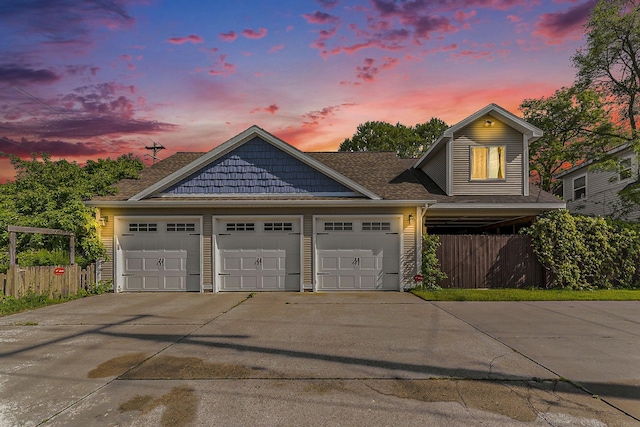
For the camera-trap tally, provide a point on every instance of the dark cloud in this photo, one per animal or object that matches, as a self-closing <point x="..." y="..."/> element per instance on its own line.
<point x="328" y="4"/>
<point x="25" y="148"/>
<point x="87" y="127"/>
<point x="16" y="74"/>
<point x="88" y="111"/>
<point x="555" y="27"/>
<point x="63" y="21"/>
<point x="318" y="17"/>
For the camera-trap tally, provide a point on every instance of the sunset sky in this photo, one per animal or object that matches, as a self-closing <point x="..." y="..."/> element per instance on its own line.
<point x="88" y="79"/>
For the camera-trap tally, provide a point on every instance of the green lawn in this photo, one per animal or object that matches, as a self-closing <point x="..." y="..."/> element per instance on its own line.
<point x="528" y="295"/>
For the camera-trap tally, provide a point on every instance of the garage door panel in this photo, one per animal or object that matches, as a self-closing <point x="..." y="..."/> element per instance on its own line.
<point x="151" y="283"/>
<point x="269" y="255"/>
<point x="133" y="264"/>
<point x="363" y="257"/>
<point x="159" y="255"/>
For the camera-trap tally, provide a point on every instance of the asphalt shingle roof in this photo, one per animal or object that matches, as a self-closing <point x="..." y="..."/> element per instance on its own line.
<point x="383" y="173"/>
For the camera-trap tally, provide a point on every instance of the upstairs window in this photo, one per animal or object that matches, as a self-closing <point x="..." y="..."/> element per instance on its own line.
<point x="625" y="168"/>
<point x="580" y="187"/>
<point x="488" y="162"/>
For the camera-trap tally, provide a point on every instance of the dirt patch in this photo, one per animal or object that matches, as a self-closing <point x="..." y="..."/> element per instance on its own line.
<point x="181" y="406"/>
<point x="189" y="368"/>
<point x="487" y="396"/>
<point x="117" y="365"/>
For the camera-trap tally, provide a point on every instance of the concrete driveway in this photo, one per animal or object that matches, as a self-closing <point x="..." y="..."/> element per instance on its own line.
<point x="319" y="359"/>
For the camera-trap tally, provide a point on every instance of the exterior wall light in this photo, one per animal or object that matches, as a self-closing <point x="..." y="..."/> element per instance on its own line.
<point x="488" y="123"/>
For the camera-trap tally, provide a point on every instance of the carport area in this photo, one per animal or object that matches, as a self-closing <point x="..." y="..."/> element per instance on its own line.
<point x="378" y="358"/>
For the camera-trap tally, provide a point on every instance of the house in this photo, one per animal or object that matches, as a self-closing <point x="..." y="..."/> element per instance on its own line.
<point x="256" y="214"/>
<point x="592" y="191"/>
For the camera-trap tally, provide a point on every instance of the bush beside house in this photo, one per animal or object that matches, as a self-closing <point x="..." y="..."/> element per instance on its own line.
<point x="582" y="252"/>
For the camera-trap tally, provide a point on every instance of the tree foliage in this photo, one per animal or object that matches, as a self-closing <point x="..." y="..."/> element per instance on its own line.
<point x="51" y="194"/>
<point x="576" y="127"/>
<point x="405" y="141"/>
<point x="610" y="62"/>
<point x="584" y="252"/>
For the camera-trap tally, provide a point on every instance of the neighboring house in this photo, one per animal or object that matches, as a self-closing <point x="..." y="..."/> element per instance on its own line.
<point x="256" y="214"/>
<point x="592" y="191"/>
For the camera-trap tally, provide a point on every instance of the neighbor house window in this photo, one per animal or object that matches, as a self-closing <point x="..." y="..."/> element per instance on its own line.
<point x="625" y="168"/>
<point x="580" y="187"/>
<point x="487" y="162"/>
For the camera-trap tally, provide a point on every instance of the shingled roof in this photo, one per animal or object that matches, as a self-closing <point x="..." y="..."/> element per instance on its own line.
<point x="383" y="173"/>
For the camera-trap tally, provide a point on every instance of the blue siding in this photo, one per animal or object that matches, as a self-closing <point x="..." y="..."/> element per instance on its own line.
<point x="257" y="167"/>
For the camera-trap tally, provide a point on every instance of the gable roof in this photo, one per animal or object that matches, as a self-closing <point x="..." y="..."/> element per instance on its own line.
<point x="492" y="110"/>
<point x="234" y="143"/>
<point x="619" y="149"/>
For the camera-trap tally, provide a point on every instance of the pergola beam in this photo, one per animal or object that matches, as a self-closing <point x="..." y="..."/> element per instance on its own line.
<point x="13" y="229"/>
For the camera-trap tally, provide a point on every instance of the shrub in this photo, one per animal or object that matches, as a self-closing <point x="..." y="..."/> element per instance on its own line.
<point x="431" y="273"/>
<point x="583" y="252"/>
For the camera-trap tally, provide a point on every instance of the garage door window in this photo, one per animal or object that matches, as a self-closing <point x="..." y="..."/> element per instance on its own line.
<point x="338" y="226"/>
<point x="143" y="227"/>
<point x="181" y="227"/>
<point x="278" y="226"/>
<point x="376" y="226"/>
<point x="241" y="226"/>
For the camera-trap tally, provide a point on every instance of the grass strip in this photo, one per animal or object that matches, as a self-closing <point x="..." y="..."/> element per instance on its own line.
<point x="528" y="295"/>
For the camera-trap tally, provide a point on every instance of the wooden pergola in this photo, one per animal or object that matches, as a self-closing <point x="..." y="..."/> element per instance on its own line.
<point x="13" y="229"/>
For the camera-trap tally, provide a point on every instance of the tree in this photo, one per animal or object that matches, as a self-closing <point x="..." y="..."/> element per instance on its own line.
<point x="610" y="63"/>
<point x="575" y="126"/>
<point x="405" y="141"/>
<point x="50" y="194"/>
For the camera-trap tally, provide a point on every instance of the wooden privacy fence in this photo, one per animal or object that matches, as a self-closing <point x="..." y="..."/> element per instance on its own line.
<point x="43" y="280"/>
<point x="489" y="261"/>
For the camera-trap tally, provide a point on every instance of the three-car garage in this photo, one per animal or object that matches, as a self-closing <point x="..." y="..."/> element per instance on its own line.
<point x="259" y="253"/>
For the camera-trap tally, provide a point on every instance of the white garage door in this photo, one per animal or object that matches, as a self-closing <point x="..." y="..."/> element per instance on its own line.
<point x="357" y="254"/>
<point x="159" y="255"/>
<point x="258" y="255"/>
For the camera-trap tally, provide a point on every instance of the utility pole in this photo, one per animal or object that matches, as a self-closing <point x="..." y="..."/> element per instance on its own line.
<point x="155" y="148"/>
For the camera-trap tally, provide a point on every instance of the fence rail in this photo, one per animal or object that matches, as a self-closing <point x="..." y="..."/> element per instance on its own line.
<point x="42" y="280"/>
<point x="489" y="261"/>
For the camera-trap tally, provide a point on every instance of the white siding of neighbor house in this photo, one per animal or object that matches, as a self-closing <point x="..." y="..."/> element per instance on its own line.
<point x="477" y="134"/>
<point x="436" y="169"/>
<point x="602" y="188"/>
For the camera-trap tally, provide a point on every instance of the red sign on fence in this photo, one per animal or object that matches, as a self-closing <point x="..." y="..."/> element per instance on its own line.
<point x="58" y="271"/>
<point x="418" y="278"/>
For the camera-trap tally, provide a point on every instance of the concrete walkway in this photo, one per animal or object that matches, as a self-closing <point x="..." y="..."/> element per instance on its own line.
<point x="319" y="359"/>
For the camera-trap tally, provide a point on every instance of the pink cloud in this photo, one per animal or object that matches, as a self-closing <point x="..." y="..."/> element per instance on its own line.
<point x="462" y="17"/>
<point x="318" y="17"/>
<point x="271" y="109"/>
<point x="222" y="67"/>
<point x="316" y="116"/>
<point x="514" y="18"/>
<point x="568" y="24"/>
<point x="228" y="37"/>
<point x="252" y="34"/>
<point x="276" y="48"/>
<point x="125" y="57"/>
<point x="192" y="38"/>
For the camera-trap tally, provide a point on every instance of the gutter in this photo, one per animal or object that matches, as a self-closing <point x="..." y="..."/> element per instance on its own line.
<point x="256" y="203"/>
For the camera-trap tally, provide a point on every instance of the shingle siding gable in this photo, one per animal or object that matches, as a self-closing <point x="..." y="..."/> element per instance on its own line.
<point x="257" y="167"/>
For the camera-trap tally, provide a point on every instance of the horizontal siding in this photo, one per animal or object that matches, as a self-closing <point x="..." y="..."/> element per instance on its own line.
<point x="436" y="169"/>
<point x="477" y="134"/>
<point x="207" y="248"/>
<point x="408" y="256"/>
<point x="602" y="189"/>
